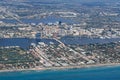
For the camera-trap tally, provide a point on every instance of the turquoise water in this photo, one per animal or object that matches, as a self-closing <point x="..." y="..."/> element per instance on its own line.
<point x="101" y="73"/>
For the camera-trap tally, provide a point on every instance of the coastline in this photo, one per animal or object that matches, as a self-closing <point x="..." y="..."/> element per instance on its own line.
<point x="64" y="67"/>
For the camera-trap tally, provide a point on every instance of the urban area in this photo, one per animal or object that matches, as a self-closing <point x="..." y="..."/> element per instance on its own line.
<point x="60" y="35"/>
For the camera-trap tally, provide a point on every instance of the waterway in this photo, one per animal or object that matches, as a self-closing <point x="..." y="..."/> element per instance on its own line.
<point x="26" y="42"/>
<point x="69" y="40"/>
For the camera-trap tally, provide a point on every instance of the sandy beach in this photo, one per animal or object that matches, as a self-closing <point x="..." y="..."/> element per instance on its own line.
<point x="65" y="67"/>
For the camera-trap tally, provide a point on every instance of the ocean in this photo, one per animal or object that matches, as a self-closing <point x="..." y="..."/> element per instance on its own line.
<point x="98" y="73"/>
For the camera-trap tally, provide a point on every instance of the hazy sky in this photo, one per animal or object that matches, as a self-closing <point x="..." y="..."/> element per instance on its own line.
<point x="78" y="0"/>
<point x="92" y="0"/>
<point x="66" y="1"/>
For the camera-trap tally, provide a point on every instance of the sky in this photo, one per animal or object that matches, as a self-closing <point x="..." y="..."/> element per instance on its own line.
<point x="63" y="1"/>
<point x="79" y="0"/>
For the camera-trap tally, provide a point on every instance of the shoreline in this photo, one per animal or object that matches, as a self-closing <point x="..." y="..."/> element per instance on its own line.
<point x="65" y="67"/>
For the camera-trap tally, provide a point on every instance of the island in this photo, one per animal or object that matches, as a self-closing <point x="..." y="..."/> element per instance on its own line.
<point x="57" y="34"/>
